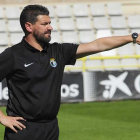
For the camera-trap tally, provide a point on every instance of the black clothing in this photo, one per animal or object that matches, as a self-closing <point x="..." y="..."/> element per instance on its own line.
<point x="34" y="131"/>
<point x="34" y="78"/>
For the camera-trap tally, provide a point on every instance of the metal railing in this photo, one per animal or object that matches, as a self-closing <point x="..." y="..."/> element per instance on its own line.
<point x="84" y="59"/>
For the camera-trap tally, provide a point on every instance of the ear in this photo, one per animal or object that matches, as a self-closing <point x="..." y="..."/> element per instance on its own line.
<point x="28" y="27"/>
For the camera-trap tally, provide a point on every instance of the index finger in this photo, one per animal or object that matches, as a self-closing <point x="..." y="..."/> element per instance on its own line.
<point x="20" y="118"/>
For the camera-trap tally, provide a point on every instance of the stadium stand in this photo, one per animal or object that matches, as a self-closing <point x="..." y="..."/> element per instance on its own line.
<point x="97" y="9"/>
<point x="82" y="22"/>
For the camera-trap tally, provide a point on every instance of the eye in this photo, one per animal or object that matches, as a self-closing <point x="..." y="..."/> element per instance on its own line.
<point x="46" y="23"/>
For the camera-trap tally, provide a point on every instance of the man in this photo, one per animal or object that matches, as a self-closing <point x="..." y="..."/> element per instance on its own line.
<point x="34" y="70"/>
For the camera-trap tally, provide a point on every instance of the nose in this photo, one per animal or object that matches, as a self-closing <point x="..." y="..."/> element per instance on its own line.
<point x="50" y="27"/>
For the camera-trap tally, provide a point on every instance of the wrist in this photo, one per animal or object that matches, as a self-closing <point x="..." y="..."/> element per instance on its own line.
<point x="1" y="115"/>
<point x="134" y="37"/>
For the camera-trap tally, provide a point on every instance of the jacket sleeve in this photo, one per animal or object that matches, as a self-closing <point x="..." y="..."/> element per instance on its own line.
<point x="6" y="63"/>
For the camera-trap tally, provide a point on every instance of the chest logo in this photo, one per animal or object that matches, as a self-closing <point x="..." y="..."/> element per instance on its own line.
<point x="53" y="62"/>
<point x="26" y="65"/>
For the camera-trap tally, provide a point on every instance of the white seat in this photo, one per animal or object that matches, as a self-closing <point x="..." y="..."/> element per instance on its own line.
<point x="63" y="10"/>
<point x="69" y="37"/>
<point x="101" y="23"/>
<point x="16" y="38"/>
<point x="111" y="64"/>
<point x="4" y="39"/>
<point x="54" y="24"/>
<point x="1" y="12"/>
<point x="12" y="12"/>
<point x="135" y="31"/>
<point x="80" y="10"/>
<point x="94" y="65"/>
<point x="133" y="21"/>
<point x="55" y="37"/>
<point x="3" y="26"/>
<point x="77" y="67"/>
<point x="127" y="49"/>
<point x="14" y="26"/>
<point x="128" y="63"/>
<point x="103" y="33"/>
<point x="97" y="9"/>
<point x="121" y="32"/>
<point x="139" y="61"/>
<point x="66" y="24"/>
<point x="118" y="22"/>
<point x="51" y="11"/>
<point x="83" y="23"/>
<point x="137" y="49"/>
<point x="114" y="9"/>
<point x="86" y="36"/>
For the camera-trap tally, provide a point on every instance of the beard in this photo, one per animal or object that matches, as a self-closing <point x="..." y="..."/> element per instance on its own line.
<point x="40" y="37"/>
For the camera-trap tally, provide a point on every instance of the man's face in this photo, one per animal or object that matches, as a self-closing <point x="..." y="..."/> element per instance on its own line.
<point x="42" y="29"/>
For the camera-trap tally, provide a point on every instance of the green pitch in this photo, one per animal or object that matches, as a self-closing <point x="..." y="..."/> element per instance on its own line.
<point x="98" y="121"/>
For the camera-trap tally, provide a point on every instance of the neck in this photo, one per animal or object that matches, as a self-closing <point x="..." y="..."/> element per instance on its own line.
<point x="32" y="41"/>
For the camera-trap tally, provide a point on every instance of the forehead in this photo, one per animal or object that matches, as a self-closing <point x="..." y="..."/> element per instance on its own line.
<point x="43" y="18"/>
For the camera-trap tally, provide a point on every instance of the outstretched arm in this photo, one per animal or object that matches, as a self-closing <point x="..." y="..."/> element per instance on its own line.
<point x="104" y="44"/>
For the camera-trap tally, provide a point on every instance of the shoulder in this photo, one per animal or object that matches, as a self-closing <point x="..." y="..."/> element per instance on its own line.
<point x="17" y="48"/>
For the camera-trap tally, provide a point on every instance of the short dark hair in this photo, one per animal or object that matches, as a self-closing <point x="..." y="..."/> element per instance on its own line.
<point x="30" y="13"/>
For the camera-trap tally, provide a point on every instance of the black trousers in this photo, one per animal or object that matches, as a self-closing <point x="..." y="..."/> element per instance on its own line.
<point x="34" y="131"/>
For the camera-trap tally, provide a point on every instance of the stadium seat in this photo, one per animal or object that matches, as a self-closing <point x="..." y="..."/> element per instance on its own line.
<point x="94" y="65"/>
<point x="54" y="24"/>
<point x="133" y="21"/>
<point x="121" y="32"/>
<point x="16" y="38"/>
<point x="114" y="9"/>
<point x="97" y="9"/>
<point x="66" y="24"/>
<point x="103" y="33"/>
<point x="80" y="10"/>
<point x="4" y="39"/>
<point x="78" y="66"/>
<point x="139" y="61"/>
<point x="86" y="36"/>
<point x="1" y="12"/>
<point x="14" y="26"/>
<point x="137" y="49"/>
<point x="63" y="11"/>
<point x="55" y="37"/>
<point x="51" y="11"/>
<point x="83" y="23"/>
<point x="111" y="64"/>
<point x="118" y="22"/>
<point x="3" y="27"/>
<point x="126" y="50"/>
<point x="128" y="62"/>
<point x="101" y="23"/>
<point x="70" y="37"/>
<point x="135" y="30"/>
<point x="12" y="12"/>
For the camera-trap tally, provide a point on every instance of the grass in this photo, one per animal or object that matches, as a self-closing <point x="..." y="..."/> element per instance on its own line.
<point x="98" y="121"/>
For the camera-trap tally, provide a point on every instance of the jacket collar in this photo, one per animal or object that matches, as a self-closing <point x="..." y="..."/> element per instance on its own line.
<point x="33" y="49"/>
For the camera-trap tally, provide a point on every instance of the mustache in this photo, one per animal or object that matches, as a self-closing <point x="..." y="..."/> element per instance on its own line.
<point x="48" y="32"/>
